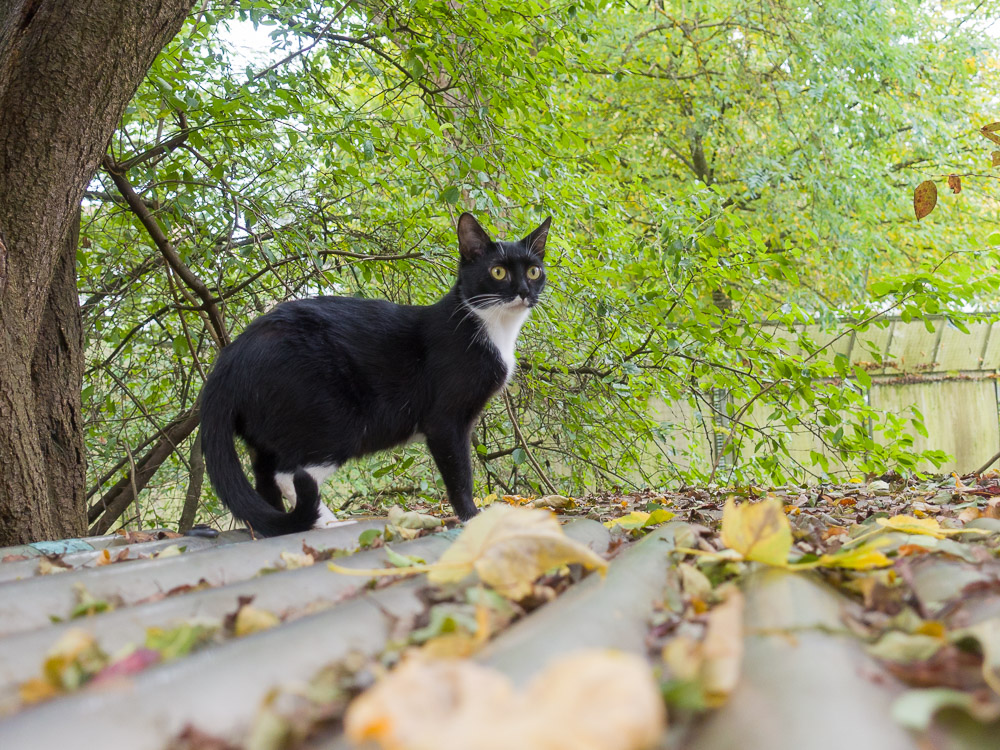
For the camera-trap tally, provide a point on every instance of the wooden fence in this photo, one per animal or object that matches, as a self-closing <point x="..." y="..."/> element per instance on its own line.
<point x="950" y="376"/>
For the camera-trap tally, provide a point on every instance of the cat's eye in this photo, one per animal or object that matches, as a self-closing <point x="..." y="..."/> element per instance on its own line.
<point x="498" y="272"/>
<point x="534" y="272"/>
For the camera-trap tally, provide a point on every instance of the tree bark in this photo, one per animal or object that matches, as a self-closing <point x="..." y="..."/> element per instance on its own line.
<point x="192" y="498"/>
<point x="67" y="70"/>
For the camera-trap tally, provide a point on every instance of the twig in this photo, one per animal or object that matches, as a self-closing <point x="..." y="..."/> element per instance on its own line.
<point x="524" y="445"/>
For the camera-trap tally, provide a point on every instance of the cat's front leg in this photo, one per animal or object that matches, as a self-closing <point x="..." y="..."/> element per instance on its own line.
<point x="450" y="450"/>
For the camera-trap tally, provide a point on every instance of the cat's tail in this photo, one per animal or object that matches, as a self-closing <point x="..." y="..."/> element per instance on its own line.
<point x="231" y="483"/>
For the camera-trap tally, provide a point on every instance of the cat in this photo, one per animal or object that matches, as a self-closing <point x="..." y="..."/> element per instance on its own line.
<point x="316" y="382"/>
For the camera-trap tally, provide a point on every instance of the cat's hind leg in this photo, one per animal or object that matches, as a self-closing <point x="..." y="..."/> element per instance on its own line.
<point x="264" y="480"/>
<point x="308" y="479"/>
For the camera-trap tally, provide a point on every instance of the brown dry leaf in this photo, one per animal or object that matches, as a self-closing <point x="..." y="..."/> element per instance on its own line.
<point x="555" y="502"/>
<point x="969" y="514"/>
<point x="715" y="662"/>
<point x="49" y="565"/>
<point x="722" y="648"/>
<point x="989" y="131"/>
<point x="591" y="700"/>
<point x="13" y="558"/>
<point x="509" y="548"/>
<point x="924" y="198"/>
<point x="996" y="158"/>
<point x="955" y="183"/>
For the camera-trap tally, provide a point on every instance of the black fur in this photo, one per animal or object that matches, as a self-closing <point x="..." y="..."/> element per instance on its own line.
<point x="328" y="379"/>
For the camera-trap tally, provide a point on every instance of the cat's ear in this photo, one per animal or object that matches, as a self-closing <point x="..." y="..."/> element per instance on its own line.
<point x="472" y="238"/>
<point x="535" y="242"/>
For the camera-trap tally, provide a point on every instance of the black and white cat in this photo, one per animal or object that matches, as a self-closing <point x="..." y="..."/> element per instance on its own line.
<point x="316" y="382"/>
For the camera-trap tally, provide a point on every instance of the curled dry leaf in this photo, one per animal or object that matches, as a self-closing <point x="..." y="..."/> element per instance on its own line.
<point x="509" y="548"/>
<point x="955" y="183"/>
<point x="555" y="502"/>
<point x="411" y="519"/>
<point x="924" y="198"/>
<point x="714" y="663"/>
<point x="591" y="700"/>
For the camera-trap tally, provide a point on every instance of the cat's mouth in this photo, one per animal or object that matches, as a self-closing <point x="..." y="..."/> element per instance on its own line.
<point x="518" y="303"/>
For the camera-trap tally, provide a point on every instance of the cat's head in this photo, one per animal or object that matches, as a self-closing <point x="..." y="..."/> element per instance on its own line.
<point x="493" y="272"/>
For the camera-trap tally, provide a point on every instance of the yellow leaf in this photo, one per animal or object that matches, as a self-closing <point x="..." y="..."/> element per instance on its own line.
<point x="591" y="700"/>
<point x="758" y="531"/>
<point x="509" y="548"/>
<point x="36" y="690"/>
<point x="925" y="526"/>
<point x="252" y="620"/>
<point x="864" y="557"/>
<point x="638" y="519"/>
<point x="172" y="551"/>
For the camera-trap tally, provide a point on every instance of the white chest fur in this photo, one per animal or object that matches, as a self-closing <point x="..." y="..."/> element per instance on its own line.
<point x="501" y="324"/>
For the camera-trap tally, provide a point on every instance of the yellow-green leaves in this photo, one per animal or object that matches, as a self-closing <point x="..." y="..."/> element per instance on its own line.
<point x="639" y="519"/>
<point x="758" y="531"/>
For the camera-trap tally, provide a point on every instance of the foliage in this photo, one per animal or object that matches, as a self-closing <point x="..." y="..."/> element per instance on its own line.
<point x="720" y="175"/>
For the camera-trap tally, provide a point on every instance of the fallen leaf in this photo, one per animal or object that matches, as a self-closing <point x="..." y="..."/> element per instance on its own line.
<point x="639" y="519"/>
<point x="926" y="526"/>
<point x="49" y="565"/>
<point x="172" y="551"/>
<point x="555" y="502"/>
<point x="722" y="648"/>
<point x="924" y="198"/>
<point x="905" y="647"/>
<point x="509" y="548"/>
<point x="955" y="183"/>
<point x="294" y="560"/>
<point x="987" y="633"/>
<point x="411" y="519"/>
<point x="758" y="531"/>
<point x="131" y="664"/>
<point x="864" y="557"/>
<point x="172" y="643"/>
<point x="402" y="561"/>
<point x="915" y="709"/>
<point x="252" y="620"/>
<point x="73" y="660"/>
<point x="37" y="690"/>
<point x="13" y="558"/>
<point x="591" y="700"/>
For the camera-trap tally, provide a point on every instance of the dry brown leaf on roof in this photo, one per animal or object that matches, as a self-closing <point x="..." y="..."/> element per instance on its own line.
<point x="591" y="700"/>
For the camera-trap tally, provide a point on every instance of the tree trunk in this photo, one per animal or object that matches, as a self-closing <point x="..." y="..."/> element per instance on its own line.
<point x="67" y="70"/>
